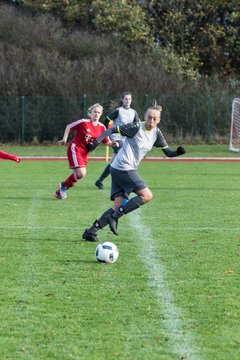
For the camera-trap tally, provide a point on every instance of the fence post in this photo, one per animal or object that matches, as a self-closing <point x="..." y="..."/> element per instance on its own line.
<point x="22" y="119"/>
<point x="146" y="102"/>
<point x="209" y="129"/>
<point x="84" y="106"/>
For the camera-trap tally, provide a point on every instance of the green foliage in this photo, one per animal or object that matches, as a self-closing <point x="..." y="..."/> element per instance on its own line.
<point x="202" y="36"/>
<point x="203" y="29"/>
<point x="47" y="59"/>
<point x="71" y="11"/>
<point x="185" y="65"/>
<point x="125" y="19"/>
<point x="41" y="57"/>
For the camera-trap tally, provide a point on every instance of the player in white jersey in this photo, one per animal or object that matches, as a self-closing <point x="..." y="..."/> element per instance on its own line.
<point x="140" y="138"/>
<point x="122" y="114"/>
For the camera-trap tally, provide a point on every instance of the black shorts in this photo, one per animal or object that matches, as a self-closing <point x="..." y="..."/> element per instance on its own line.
<point x="125" y="182"/>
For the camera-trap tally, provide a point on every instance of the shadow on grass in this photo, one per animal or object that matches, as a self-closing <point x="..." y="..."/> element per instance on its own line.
<point x="77" y="261"/>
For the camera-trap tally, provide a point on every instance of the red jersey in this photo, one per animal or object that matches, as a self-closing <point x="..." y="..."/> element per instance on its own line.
<point x="86" y="132"/>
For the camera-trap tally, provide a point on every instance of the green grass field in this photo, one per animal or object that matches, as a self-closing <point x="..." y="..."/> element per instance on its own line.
<point x="172" y="294"/>
<point x="216" y="150"/>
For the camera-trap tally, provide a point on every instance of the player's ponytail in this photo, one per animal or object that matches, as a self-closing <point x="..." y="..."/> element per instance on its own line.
<point x="117" y="104"/>
<point x="155" y="106"/>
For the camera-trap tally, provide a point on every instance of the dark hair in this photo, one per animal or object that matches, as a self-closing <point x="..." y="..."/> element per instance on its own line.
<point x="114" y="104"/>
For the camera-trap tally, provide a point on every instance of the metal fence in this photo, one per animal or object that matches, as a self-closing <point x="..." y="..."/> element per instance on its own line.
<point x="43" y="119"/>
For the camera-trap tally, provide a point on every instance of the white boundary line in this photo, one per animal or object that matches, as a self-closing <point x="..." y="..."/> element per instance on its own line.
<point x="180" y="339"/>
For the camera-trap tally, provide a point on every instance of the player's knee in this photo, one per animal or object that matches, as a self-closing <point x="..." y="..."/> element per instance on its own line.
<point x="80" y="173"/>
<point x="147" y="196"/>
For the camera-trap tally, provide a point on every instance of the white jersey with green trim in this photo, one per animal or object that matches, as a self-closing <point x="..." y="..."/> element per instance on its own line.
<point x="135" y="148"/>
<point x="125" y="116"/>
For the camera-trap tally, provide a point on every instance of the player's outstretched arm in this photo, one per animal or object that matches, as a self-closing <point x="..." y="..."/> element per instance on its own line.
<point x="63" y="141"/>
<point x="6" y="156"/>
<point x="173" y="153"/>
<point x="92" y="146"/>
<point x="128" y="130"/>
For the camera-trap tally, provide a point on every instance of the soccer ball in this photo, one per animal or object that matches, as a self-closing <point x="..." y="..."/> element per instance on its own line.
<point x="107" y="252"/>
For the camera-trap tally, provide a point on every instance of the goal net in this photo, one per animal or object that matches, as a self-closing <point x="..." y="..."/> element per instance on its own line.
<point x="235" y="126"/>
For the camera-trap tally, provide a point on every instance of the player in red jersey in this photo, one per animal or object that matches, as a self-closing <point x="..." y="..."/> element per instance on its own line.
<point x="86" y="131"/>
<point x="6" y="156"/>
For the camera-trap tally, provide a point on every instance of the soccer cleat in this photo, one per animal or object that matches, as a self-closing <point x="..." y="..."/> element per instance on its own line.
<point x="112" y="224"/>
<point x="63" y="191"/>
<point x="58" y="195"/>
<point x="99" y="184"/>
<point x="89" y="236"/>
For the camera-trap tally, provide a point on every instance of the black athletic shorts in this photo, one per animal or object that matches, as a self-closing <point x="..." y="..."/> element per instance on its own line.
<point x="125" y="182"/>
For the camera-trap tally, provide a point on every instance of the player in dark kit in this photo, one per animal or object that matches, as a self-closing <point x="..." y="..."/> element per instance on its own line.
<point x="122" y="114"/>
<point x="140" y="138"/>
<point x="87" y="130"/>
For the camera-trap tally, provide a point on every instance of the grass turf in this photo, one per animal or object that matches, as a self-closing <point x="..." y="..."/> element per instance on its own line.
<point x="172" y="294"/>
<point x="215" y="150"/>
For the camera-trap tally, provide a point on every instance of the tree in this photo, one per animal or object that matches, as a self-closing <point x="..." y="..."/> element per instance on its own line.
<point x="196" y="37"/>
<point x="71" y="12"/>
<point x="125" y="19"/>
<point x="203" y="30"/>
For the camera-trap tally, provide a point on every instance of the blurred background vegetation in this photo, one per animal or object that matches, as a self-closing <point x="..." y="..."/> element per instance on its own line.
<point x="184" y="54"/>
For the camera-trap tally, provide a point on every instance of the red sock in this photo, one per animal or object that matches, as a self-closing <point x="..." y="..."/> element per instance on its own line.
<point x="6" y="156"/>
<point x="70" y="181"/>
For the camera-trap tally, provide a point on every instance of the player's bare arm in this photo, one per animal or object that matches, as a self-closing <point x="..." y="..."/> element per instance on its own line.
<point x="63" y="141"/>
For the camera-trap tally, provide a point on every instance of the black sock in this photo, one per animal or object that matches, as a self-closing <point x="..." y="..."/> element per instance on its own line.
<point x="131" y="205"/>
<point x="105" y="173"/>
<point x="101" y="222"/>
